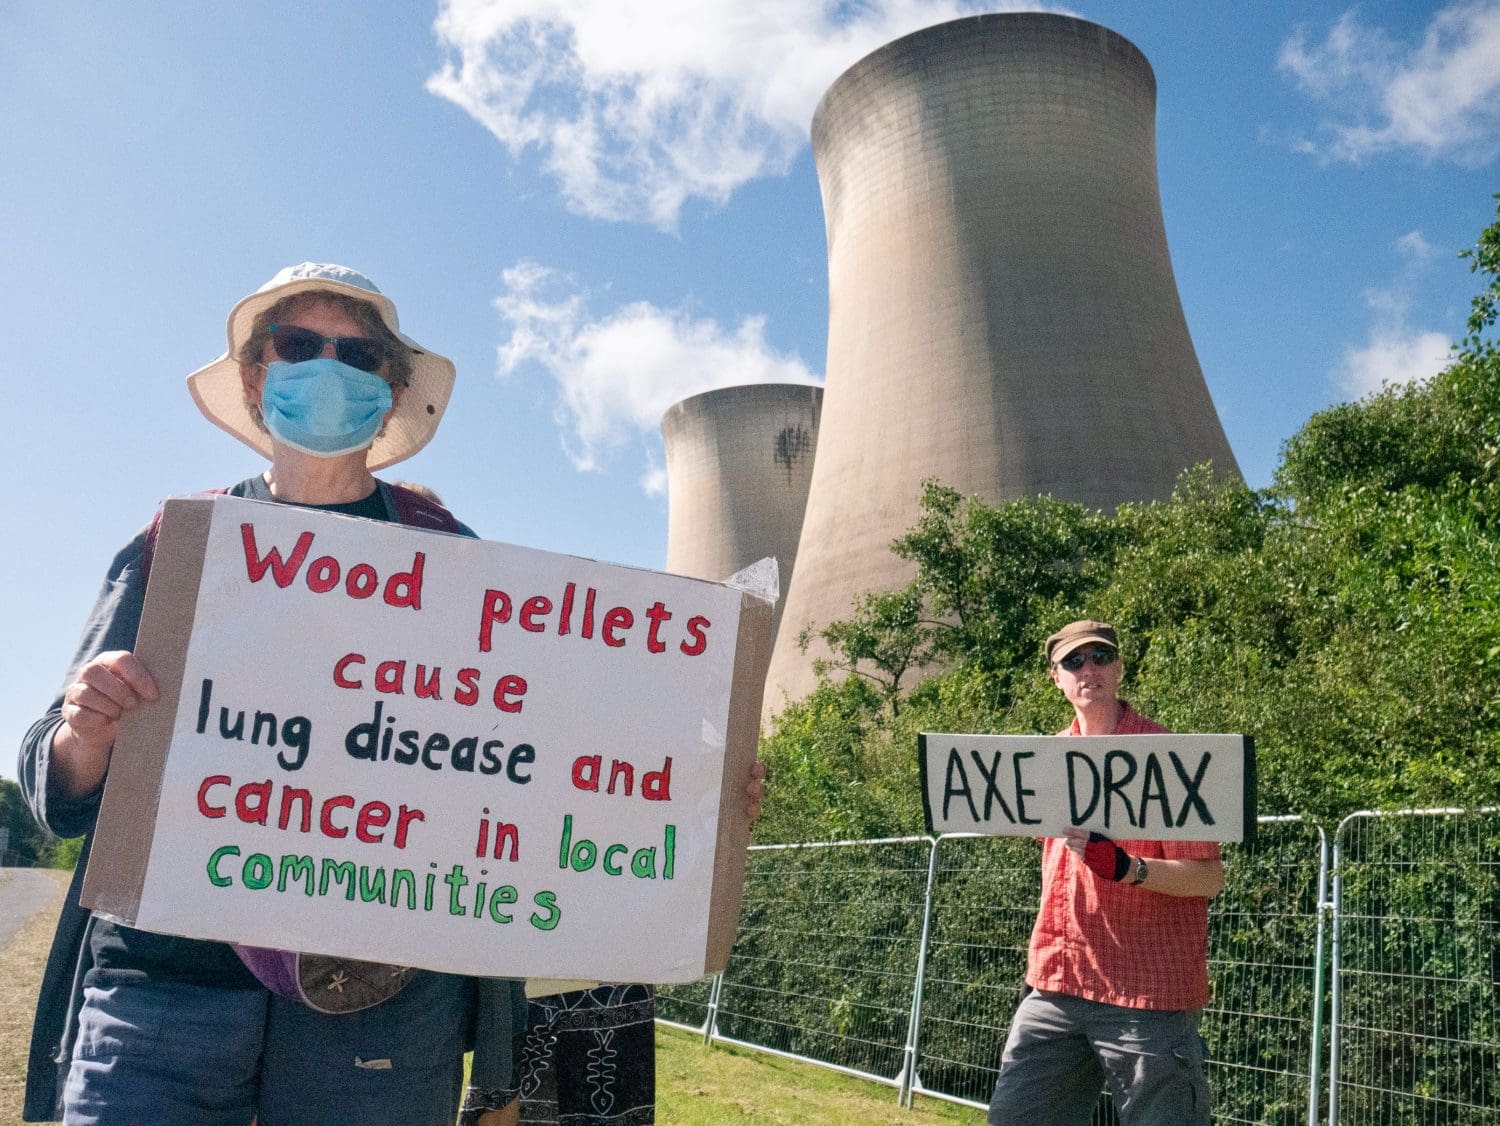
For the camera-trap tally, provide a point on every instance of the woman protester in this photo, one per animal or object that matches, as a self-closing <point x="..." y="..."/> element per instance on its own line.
<point x="135" y="1027"/>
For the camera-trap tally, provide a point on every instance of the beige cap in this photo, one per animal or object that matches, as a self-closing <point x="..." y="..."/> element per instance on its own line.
<point x="217" y="389"/>
<point x="1081" y="632"/>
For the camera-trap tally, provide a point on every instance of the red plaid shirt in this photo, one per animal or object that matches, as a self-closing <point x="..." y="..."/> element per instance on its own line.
<point x="1114" y="943"/>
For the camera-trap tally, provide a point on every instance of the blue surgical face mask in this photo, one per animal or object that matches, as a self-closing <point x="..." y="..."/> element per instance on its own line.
<point x="324" y="407"/>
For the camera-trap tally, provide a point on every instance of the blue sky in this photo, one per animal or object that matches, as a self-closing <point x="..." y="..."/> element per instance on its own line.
<point x="597" y="207"/>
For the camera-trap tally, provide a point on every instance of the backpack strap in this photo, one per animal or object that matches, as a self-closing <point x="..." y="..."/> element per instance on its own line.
<point x="412" y="509"/>
<point x="416" y="511"/>
<point x="153" y="532"/>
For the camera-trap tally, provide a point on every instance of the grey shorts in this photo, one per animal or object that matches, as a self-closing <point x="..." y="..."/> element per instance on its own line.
<point x="1063" y="1050"/>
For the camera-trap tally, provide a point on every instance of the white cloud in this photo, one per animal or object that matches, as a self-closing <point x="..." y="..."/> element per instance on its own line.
<point x="640" y="105"/>
<point x="1414" y="246"/>
<point x="1439" y="98"/>
<point x="616" y="374"/>
<point x="1393" y="353"/>
<point x="654" y="480"/>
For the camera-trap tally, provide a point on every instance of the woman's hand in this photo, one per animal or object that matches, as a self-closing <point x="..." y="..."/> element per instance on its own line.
<point x="107" y="687"/>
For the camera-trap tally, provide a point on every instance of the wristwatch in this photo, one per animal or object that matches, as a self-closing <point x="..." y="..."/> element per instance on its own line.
<point x="1140" y="871"/>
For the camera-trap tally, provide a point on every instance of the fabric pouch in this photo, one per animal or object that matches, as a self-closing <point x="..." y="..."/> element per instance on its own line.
<point x="327" y="984"/>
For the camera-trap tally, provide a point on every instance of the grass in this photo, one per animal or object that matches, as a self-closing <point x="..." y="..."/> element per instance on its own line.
<point x="21" y="964"/>
<point x="708" y="1086"/>
<point x="696" y="1085"/>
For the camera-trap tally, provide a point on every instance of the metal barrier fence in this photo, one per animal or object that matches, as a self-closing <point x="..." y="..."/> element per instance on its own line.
<point x="1416" y="968"/>
<point x="902" y="960"/>
<point x="826" y="955"/>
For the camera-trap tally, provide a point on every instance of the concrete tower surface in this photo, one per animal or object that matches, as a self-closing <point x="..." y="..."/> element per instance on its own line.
<point x="739" y="461"/>
<point x="1002" y="310"/>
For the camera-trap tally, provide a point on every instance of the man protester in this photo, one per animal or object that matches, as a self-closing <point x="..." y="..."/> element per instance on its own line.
<point x="1118" y="961"/>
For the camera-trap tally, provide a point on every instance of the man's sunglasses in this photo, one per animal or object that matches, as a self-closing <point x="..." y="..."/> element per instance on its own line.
<point x="296" y="344"/>
<point x="1074" y="661"/>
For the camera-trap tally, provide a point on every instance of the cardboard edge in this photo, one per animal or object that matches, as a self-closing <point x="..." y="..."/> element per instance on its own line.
<point x="922" y="776"/>
<point x="742" y="741"/>
<point x="1252" y="791"/>
<point x="116" y="875"/>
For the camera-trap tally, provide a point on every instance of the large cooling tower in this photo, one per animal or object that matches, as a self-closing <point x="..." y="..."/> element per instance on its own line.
<point x="1002" y="311"/>
<point x="739" y="460"/>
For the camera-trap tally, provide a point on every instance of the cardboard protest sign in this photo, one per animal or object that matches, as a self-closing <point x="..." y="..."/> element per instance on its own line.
<point x="420" y="749"/>
<point x="1130" y="787"/>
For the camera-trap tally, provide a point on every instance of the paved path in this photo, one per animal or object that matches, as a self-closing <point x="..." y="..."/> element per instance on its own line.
<point x="24" y="892"/>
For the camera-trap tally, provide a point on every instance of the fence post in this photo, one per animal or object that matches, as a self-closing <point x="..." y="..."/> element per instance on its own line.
<point x="711" y="1019"/>
<point x="1336" y="998"/>
<point x="1315" y="1061"/>
<point x="913" y="1025"/>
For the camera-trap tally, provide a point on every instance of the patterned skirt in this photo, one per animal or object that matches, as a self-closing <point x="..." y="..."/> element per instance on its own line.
<point x="590" y="1058"/>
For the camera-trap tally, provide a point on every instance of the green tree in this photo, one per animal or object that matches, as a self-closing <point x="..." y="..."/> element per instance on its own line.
<point x="65" y="852"/>
<point x="986" y="572"/>
<point x="882" y="640"/>
<point x="1484" y="259"/>
<point x="29" y="842"/>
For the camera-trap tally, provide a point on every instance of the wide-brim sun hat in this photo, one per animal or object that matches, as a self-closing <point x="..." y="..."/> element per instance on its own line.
<point x="217" y="389"/>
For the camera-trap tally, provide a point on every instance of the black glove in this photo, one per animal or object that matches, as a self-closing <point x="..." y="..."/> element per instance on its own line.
<point x="1106" y="859"/>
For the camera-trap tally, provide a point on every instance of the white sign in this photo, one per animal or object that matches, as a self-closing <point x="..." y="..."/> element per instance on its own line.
<point x="1130" y="787"/>
<point x="420" y="749"/>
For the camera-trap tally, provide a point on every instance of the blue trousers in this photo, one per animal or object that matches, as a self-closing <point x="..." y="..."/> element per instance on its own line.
<point x="163" y="1051"/>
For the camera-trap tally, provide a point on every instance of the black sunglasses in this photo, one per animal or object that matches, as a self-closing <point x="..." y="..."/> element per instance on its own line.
<point x="296" y="344"/>
<point x="1074" y="661"/>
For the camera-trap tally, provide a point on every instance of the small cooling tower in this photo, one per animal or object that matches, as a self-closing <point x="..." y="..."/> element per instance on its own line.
<point x="739" y="460"/>
<point x="1002" y="310"/>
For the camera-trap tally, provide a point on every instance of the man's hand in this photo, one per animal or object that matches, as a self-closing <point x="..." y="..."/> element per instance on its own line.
<point x="107" y="687"/>
<point x="1104" y="858"/>
<point x="755" y="791"/>
<point x="1109" y="861"/>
